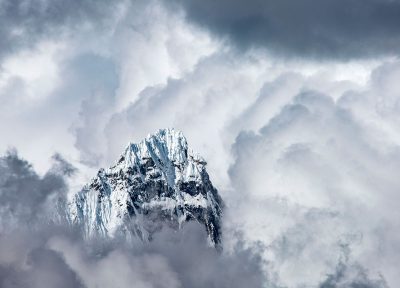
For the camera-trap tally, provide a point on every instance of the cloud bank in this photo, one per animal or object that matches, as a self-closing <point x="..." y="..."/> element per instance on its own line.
<point x="302" y="145"/>
<point x="316" y="29"/>
<point x="46" y="252"/>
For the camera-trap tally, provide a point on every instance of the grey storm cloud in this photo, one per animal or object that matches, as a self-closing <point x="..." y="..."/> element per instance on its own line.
<point x="53" y="254"/>
<point x="352" y="277"/>
<point x="27" y="203"/>
<point x="27" y="262"/>
<point x="23" y="23"/>
<point x="24" y="194"/>
<point x="322" y="29"/>
<point x="55" y="257"/>
<point x="172" y="259"/>
<point x="311" y="187"/>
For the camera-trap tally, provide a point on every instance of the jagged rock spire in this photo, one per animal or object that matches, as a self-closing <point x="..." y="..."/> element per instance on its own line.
<point x="156" y="182"/>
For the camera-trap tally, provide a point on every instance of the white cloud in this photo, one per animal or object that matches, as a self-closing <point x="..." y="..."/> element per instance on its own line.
<point x="117" y="269"/>
<point x="314" y="179"/>
<point x="319" y="172"/>
<point x="37" y="68"/>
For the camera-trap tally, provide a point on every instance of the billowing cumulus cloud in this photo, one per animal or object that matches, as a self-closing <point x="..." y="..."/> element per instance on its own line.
<point x="24" y="23"/>
<point x="304" y="152"/>
<point x="320" y="29"/>
<point x="27" y="198"/>
<point x="45" y="252"/>
<point x="89" y="68"/>
<point x="322" y="176"/>
<point x="312" y="178"/>
<point x="25" y="261"/>
<point x="28" y="210"/>
<point x="172" y="260"/>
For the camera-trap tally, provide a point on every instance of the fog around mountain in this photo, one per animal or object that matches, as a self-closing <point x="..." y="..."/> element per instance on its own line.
<point x="294" y="107"/>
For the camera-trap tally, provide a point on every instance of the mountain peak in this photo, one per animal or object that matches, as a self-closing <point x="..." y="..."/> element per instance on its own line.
<point x="156" y="182"/>
<point x="167" y="149"/>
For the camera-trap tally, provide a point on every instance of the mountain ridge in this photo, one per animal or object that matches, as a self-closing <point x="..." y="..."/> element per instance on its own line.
<point x="155" y="183"/>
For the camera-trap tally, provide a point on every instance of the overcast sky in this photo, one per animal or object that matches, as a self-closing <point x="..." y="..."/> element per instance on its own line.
<point x="295" y="105"/>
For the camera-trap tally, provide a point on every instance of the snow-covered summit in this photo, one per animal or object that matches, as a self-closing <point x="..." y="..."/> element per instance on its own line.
<point x="155" y="182"/>
<point x="168" y="150"/>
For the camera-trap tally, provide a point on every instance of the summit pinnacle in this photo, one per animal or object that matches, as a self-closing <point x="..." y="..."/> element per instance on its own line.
<point x="158" y="181"/>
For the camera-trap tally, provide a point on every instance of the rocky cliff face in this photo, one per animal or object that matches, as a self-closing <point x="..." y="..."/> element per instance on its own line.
<point x="156" y="182"/>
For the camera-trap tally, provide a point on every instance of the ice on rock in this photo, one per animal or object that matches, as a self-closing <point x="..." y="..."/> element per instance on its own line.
<point x="156" y="182"/>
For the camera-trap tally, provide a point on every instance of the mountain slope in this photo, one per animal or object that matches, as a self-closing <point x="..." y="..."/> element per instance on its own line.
<point x="156" y="182"/>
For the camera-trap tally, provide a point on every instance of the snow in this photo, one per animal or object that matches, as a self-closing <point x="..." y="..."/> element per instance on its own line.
<point x="102" y="206"/>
